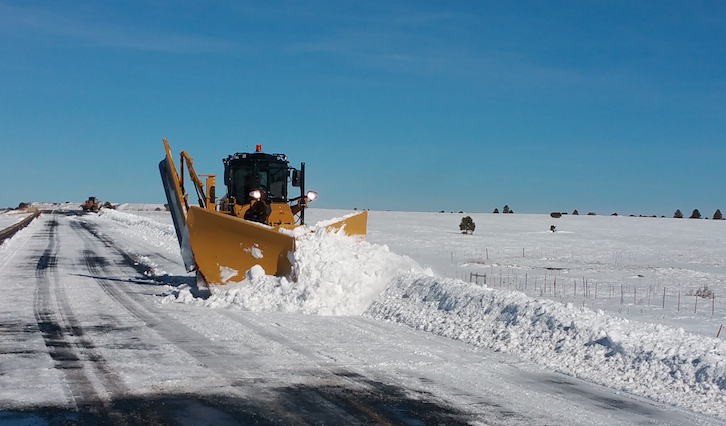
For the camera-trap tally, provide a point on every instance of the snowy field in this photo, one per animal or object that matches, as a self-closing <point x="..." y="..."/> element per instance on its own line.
<point x="607" y="299"/>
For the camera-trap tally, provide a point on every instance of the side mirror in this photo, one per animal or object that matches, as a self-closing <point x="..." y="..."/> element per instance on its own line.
<point x="296" y="178"/>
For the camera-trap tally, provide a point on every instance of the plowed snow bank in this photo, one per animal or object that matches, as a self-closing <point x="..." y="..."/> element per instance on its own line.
<point x="336" y="275"/>
<point x="657" y="361"/>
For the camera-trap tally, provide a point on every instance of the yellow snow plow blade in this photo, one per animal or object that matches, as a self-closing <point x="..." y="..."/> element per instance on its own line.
<point x="351" y="225"/>
<point x="225" y="246"/>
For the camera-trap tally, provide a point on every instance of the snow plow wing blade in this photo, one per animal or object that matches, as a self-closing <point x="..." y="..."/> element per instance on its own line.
<point x="176" y="206"/>
<point x="352" y="225"/>
<point x="225" y="247"/>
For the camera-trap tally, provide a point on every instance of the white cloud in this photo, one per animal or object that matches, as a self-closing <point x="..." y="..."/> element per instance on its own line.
<point x="63" y="29"/>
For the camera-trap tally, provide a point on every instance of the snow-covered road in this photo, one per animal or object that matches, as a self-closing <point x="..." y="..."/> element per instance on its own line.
<point x="86" y="338"/>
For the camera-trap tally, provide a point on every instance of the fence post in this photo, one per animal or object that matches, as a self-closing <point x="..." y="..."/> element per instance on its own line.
<point x="695" y="305"/>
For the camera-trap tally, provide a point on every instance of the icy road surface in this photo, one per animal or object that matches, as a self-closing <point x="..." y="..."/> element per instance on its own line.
<point x="90" y="336"/>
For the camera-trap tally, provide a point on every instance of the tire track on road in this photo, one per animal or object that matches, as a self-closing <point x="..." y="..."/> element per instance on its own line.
<point x="191" y="342"/>
<point x="67" y="345"/>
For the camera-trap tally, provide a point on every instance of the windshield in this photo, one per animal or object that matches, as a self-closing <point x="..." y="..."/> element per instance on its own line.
<point x="270" y="177"/>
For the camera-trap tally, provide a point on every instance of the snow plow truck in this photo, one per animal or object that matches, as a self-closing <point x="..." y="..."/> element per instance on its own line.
<point x="90" y="205"/>
<point x="254" y="223"/>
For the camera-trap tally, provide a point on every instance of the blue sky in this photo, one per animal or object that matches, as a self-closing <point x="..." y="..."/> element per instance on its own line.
<point x="400" y="105"/>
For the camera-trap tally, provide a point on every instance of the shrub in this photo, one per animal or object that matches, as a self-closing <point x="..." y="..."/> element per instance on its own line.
<point x="703" y="292"/>
<point x="496" y="210"/>
<point x="555" y="215"/>
<point x="575" y="212"/>
<point x="467" y="225"/>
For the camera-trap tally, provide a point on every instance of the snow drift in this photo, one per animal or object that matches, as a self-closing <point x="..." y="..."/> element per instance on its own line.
<point x="653" y="360"/>
<point x="336" y="275"/>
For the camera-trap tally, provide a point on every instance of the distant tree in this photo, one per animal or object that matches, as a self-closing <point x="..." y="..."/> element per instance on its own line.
<point x="678" y="214"/>
<point x="695" y="215"/>
<point x="575" y="212"/>
<point x="505" y="209"/>
<point x="717" y="215"/>
<point x="467" y="225"/>
<point x="591" y="213"/>
<point x="496" y="210"/>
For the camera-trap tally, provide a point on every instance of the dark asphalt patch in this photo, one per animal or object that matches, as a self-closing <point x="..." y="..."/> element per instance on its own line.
<point x="94" y="261"/>
<point x="564" y="386"/>
<point x="371" y="403"/>
<point x="302" y="405"/>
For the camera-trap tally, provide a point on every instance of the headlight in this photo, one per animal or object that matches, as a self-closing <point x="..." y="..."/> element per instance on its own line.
<point x="256" y="194"/>
<point x="311" y="195"/>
